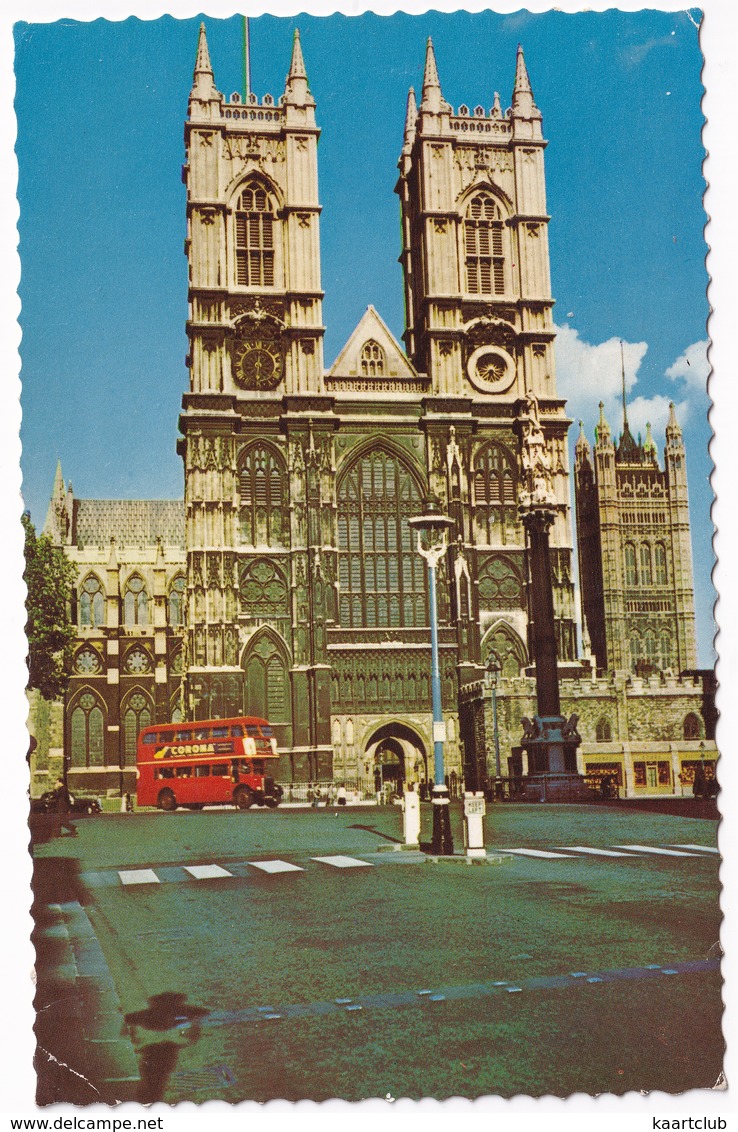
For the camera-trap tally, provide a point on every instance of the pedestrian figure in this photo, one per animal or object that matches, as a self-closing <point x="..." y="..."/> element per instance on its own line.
<point x="341" y="795"/>
<point x="158" y="1033"/>
<point x="61" y="807"/>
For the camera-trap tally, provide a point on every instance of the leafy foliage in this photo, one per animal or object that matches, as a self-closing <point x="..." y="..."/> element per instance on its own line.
<point x="50" y="577"/>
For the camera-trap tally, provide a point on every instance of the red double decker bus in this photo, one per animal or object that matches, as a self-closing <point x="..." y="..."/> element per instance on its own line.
<point x="208" y="763"/>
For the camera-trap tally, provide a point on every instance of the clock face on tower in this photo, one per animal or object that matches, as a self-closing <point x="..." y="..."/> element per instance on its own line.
<point x="257" y="364"/>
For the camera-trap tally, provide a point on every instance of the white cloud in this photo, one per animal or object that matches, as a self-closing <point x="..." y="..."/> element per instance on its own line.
<point x="587" y="374"/>
<point x="692" y="366"/>
<point x="654" y="411"/>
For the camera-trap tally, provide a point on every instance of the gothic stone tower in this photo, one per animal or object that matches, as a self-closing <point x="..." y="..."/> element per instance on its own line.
<point x="307" y="602"/>
<point x="257" y="494"/>
<point x="635" y="551"/>
<point x="478" y="308"/>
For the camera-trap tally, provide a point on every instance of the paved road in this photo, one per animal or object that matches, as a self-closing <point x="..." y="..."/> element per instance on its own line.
<point x="332" y="966"/>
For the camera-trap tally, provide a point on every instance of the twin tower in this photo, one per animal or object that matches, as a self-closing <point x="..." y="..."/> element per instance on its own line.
<point x="306" y="599"/>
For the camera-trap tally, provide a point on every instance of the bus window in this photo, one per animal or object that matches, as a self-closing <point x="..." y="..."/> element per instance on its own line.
<point x="202" y="772"/>
<point x="258" y="766"/>
<point x="183" y="737"/>
<point x="220" y="733"/>
<point x="244" y="767"/>
<point x="237" y="732"/>
<point x="219" y="768"/>
<point x="150" y="738"/>
<point x="202" y="733"/>
<point x="252" y="731"/>
<point x="184" y="772"/>
<point x="164" y="772"/>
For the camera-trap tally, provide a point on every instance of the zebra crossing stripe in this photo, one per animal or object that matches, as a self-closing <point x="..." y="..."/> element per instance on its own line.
<point x="699" y="848"/>
<point x="595" y="852"/>
<point x="656" y="850"/>
<point x="537" y="853"/>
<point x="276" y="867"/>
<point x="340" y="862"/>
<point x="207" y="872"/>
<point x="138" y="876"/>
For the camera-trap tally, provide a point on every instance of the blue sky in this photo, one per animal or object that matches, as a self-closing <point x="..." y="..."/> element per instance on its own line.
<point x="100" y="111"/>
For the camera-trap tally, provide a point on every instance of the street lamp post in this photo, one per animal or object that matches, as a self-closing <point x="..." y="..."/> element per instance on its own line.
<point x="493" y="671"/>
<point x="432" y="527"/>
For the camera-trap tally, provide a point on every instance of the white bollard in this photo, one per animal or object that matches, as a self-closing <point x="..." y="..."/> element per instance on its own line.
<point x="411" y="816"/>
<point x="474" y="811"/>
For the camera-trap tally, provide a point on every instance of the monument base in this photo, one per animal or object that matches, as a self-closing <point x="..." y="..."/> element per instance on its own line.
<point x="551" y="742"/>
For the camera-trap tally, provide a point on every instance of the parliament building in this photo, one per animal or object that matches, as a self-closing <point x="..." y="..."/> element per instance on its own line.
<point x="287" y="583"/>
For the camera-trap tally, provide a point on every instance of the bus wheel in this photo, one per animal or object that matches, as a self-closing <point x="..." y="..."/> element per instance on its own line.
<point x="272" y="803"/>
<point x="167" y="801"/>
<point x="194" y="805"/>
<point x="243" y="798"/>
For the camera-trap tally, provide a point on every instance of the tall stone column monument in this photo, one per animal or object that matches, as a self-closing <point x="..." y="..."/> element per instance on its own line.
<point x="549" y="739"/>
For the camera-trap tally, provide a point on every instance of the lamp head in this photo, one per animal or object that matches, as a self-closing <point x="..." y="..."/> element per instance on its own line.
<point x="433" y="521"/>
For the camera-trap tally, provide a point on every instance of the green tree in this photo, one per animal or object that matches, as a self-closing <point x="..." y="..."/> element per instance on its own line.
<point x="49" y="577"/>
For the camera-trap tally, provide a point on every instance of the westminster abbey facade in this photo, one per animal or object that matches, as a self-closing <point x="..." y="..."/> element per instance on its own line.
<point x="290" y="586"/>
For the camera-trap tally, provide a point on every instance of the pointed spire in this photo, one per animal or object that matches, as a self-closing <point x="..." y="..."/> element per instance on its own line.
<point x="297" y="65"/>
<point x="296" y="92"/>
<point x="411" y="120"/>
<point x="411" y="114"/>
<point x="622" y="377"/>
<point x="673" y="430"/>
<point x="522" y="82"/>
<point x="58" y="489"/>
<point x="203" y="83"/>
<point x="431" y="98"/>
<point x="628" y="449"/>
<point x="523" y="105"/>
<point x="202" y="63"/>
<point x="496" y="107"/>
<point x="602" y="429"/>
<point x="113" y="556"/>
<point x="581" y="447"/>
<point x="650" y="444"/>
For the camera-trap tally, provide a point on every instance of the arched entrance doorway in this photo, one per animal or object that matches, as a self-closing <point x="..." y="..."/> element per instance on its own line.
<point x="395" y="757"/>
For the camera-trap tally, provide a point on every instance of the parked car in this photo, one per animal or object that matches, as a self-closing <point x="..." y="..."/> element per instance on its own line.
<point x="80" y="805"/>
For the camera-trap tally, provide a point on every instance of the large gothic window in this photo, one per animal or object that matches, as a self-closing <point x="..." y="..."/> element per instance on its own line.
<point x="372" y="359"/>
<point x="255" y="237"/>
<point x="645" y="564"/>
<point x="659" y="557"/>
<point x="267" y="687"/>
<point x="136" y="716"/>
<point x="263" y="503"/>
<point x="87" y="731"/>
<point x="135" y="602"/>
<point x="484" y="246"/>
<point x="631" y="572"/>
<point x="381" y="575"/>
<point x="91" y="603"/>
<point x="495" y="495"/>
<point x="176" y="601"/>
